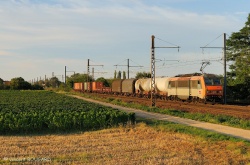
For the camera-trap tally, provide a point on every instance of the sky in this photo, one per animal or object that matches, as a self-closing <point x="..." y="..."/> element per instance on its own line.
<point x="38" y="38"/>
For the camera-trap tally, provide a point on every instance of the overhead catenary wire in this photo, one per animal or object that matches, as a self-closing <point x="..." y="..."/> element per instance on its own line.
<point x="167" y="42"/>
<point x="127" y="66"/>
<point x="212" y="41"/>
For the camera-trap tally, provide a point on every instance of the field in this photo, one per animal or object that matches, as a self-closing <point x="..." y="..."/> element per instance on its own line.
<point x="36" y="111"/>
<point x="101" y="135"/>
<point x="139" y="144"/>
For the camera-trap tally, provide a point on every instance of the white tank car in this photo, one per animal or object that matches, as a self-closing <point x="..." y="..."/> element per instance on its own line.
<point x="143" y="86"/>
<point x="161" y="84"/>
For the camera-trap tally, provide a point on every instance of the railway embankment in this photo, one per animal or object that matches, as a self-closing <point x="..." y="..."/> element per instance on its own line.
<point x="231" y="131"/>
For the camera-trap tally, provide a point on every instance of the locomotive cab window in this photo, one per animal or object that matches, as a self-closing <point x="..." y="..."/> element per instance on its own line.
<point x="183" y="84"/>
<point x="217" y="81"/>
<point x="212" y="81"/>
<point x="171" y="84"/>
<point x="199" y="85"/>
<point x="194" y="84"/>
<point x="208" y="81"/>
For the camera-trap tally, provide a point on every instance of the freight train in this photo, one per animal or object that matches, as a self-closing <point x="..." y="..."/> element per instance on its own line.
<point x="188" y="87"/>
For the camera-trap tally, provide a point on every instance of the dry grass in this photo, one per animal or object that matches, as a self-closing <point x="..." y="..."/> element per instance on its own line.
<point x="131" y="145"/>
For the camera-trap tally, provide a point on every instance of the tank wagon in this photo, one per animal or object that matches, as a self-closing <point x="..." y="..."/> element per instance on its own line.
<point x="161" y="85"/>
<point x="143" y="87"/>
<point x="197" y="87"/>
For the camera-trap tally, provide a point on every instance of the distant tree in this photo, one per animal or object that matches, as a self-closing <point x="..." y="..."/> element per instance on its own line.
<point x="78" y="78"/>
<point x="105" y="81"/>
<point x="115" y="74"/>
<point x="238" y="52"/>
<point x="123" y="75"/>
<point x="37" y="87"/>
<point x="19" y="83"/>
<point x="1" y="81"/>
<point x="54" y="82"/>
<point x="47" y="83"/>
<point x="1" y="84"/>
<point x="143" y="75"/>
<point x="119" y="76"/>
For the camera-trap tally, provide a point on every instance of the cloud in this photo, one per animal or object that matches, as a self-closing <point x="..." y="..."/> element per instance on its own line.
<point x="67" y="32"/>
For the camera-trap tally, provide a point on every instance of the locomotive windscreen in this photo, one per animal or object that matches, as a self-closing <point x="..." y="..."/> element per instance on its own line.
<point x="212" y="81"/>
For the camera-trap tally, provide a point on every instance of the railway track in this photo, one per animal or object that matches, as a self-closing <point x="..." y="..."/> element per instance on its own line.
<point x="217" y="109"/>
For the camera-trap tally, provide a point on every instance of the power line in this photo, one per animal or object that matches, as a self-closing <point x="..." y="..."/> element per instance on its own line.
<point x="128" y="66"/>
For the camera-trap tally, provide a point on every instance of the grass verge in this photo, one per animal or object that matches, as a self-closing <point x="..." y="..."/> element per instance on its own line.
<point x="205" y="117"/>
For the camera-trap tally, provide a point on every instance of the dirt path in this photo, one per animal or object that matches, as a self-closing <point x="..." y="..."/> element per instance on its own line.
<point x="235" y="132"/>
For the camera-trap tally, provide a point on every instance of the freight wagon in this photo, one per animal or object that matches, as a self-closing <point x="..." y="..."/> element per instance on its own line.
<point x="79" y="87"/>
<point x="143" y="87"/>
<point x="128" y="87"/>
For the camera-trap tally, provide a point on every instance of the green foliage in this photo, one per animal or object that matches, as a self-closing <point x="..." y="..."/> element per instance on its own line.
<point x="1" y="84"/>
<point x="119" y="76"/>
<point x="217" y="119"/>
<point x="123" y="75"/>
<point x="54" y="82"/>
<point x="105" y="81"/>
<point x="19" y="83"/>
<point x="143" y="75"/>
<point x="35" y="111"/>
<point x="1" y="81"/>
<point x="238" y="51"/>
<point x="36" y="87"/>
<point x="240" y="91"/>
<point x="78" y="78"/>
<point x="115" y="74"/>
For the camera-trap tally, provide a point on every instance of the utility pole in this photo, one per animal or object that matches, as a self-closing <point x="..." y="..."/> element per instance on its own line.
<point x="65" y="74"/>
<point x="128" y="66"/>
<point x="225" y="70"/>
<point x="225" y="67"/>
<point x="88" y="65"/>
<point x="153" y="97"/>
